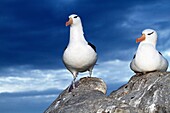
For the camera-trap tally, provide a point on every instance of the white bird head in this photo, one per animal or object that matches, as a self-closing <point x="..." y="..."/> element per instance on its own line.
<point x="148" y="36"/>
<point x="73" y="20"/>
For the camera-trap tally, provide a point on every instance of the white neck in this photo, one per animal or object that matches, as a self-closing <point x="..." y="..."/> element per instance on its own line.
<point x="146" y="42"/>
<point x="76" y="33"/>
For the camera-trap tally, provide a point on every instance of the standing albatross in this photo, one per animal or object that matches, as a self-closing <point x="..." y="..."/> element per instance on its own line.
<point x="147" y="58"/>
<point x="80" y="55"/>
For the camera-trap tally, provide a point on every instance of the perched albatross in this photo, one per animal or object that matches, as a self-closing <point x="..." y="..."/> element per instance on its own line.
<point x="147" y="58"/>
<point x="80" y="55"/>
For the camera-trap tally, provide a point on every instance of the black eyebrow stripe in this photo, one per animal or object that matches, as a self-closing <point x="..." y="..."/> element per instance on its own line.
<point x="75" y="16"/>
<point x="150" y="33"/>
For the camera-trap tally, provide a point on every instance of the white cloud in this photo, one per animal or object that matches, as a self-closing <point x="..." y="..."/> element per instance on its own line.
<point x="114" y="71"/>
<point x="38" y="80"/>
<point x="141" y="16"/>
<point x="167" y="53"/>
<point x="34" y="80"/>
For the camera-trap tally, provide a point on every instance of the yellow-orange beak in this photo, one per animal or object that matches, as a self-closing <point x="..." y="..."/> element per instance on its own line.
<point x="142" y="38"/>
<point x="69" y="22"/>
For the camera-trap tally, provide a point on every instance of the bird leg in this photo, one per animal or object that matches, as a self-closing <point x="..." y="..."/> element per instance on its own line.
<point x="90" y="73"/>
<point x="73" y="86"/>
<point x="73" y="82"/>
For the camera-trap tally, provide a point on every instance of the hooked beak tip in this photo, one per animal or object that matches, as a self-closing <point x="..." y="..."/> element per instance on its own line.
<point x="69" y="22"/>
<point x="142" y="38"/>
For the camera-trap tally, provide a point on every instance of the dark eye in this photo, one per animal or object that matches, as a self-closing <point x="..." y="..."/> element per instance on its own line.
<point x="75" y="16"/>
<point x="150" y="33"/>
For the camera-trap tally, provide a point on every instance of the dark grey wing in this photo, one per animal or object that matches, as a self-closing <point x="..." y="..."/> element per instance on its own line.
<point x="134" y="56"/>
<point x="90" y="44"/>
<point x="160" y="53"/>
<point x="65" y="48"/>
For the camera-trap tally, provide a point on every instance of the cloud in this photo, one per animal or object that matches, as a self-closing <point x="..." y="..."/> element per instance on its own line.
<point x="144" y="16"/>
<point x="112" y="72"/>
<point x="141" y="17"/>
<point x="115" y="71"/>
<point x="33" y="87"/>
<point x="17" y="80"/>
<point x="36" y="40"/>
<point x="34" y="80"/>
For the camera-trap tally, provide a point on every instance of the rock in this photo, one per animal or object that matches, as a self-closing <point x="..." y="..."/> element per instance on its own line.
<point x="87" y="89"/>
<point x="147" y="93"/>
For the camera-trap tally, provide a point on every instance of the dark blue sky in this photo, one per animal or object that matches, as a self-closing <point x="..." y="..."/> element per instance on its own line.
<point x="33" y="36"/>
<point x="33" y="32"/>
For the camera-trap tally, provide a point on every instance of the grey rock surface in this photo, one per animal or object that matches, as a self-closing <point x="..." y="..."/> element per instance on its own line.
<point x="148" y="93"/>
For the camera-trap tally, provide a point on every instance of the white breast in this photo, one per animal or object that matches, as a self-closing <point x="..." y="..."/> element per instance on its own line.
<point x="147" y="58"/>
<point x="79" y="57"/>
